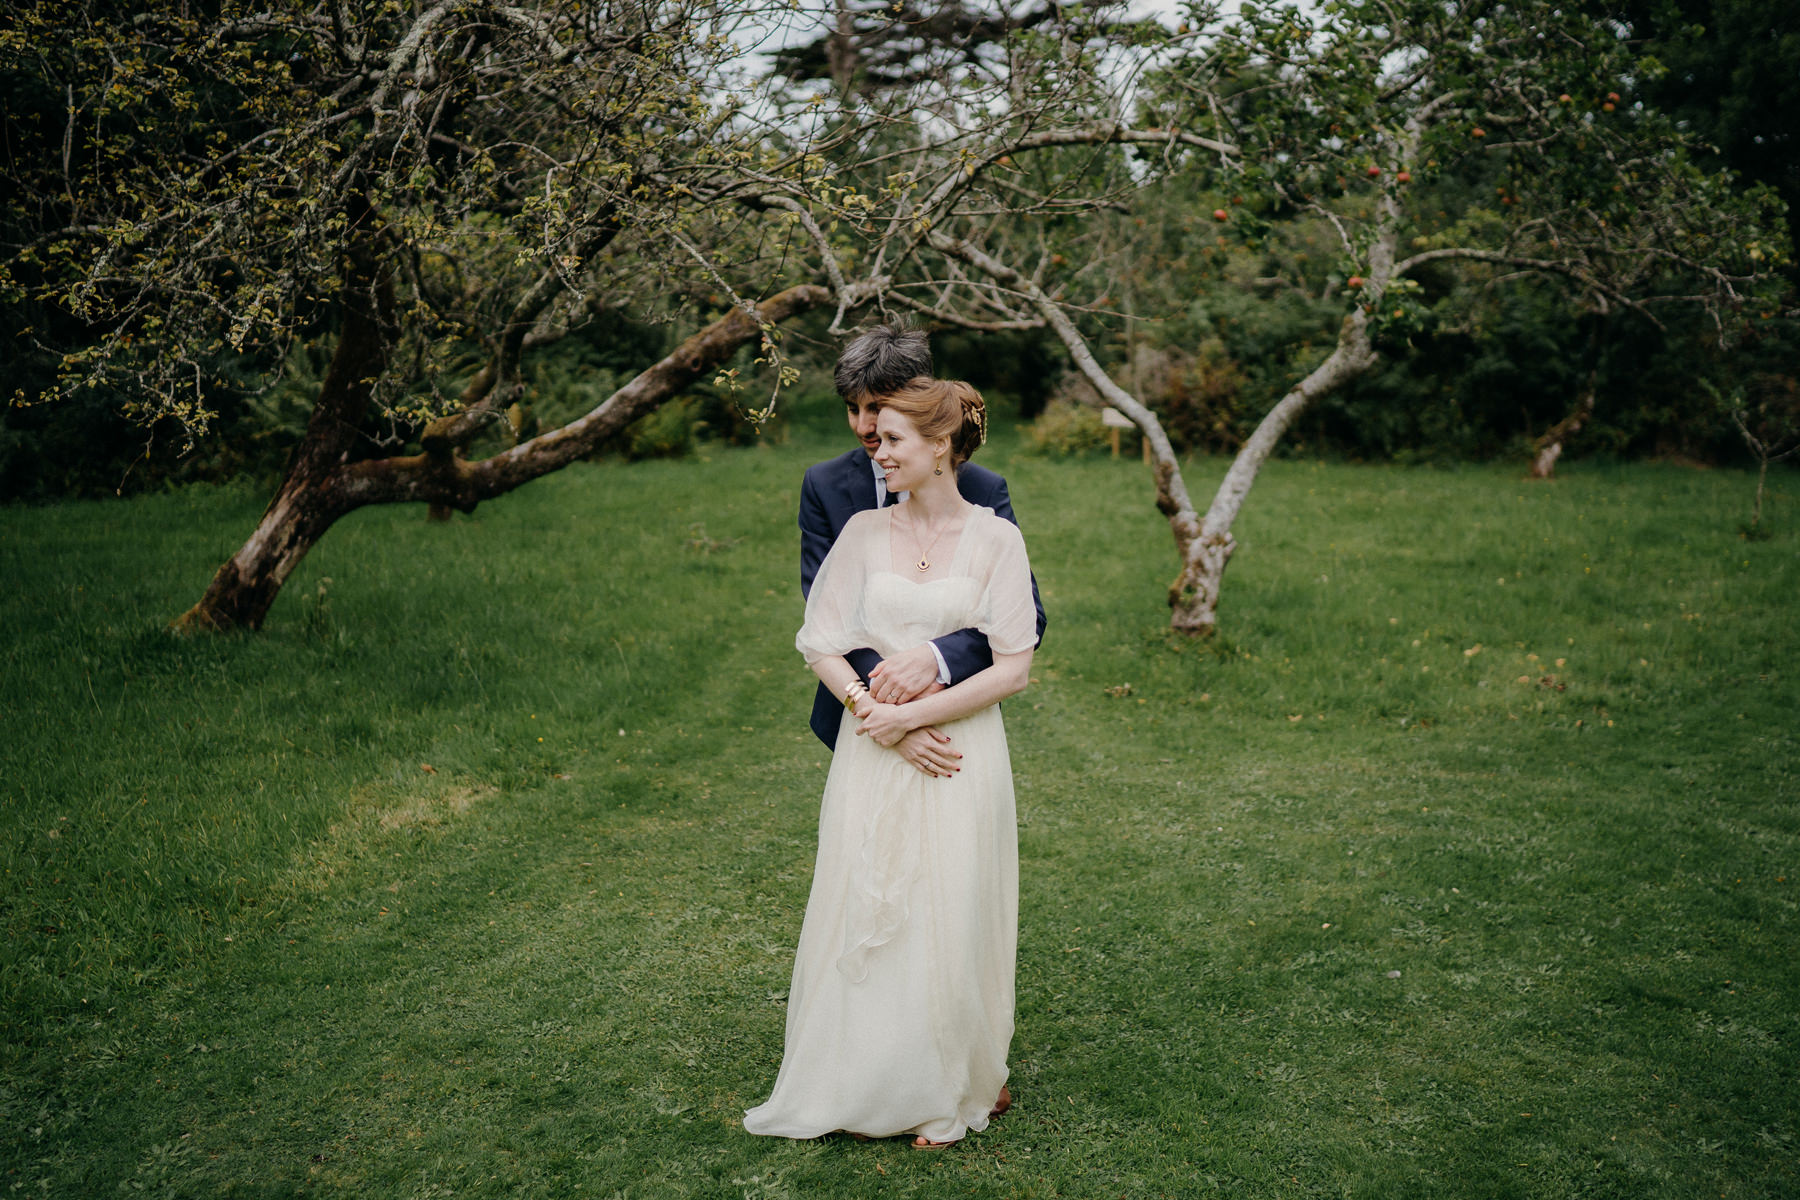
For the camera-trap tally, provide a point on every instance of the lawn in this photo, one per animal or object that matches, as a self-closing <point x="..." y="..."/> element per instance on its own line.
<point x="1463" y="863"/>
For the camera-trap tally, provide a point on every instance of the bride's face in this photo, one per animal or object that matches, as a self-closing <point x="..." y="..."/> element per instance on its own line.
<point x="906" y="457"/>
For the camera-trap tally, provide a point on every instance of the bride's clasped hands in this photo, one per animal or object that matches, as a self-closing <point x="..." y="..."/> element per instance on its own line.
<point x="894" y="683"/>
<point x="885" y="723"/>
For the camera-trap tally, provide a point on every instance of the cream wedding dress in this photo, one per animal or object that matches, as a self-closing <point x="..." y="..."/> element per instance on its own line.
<point x="901" y="1008"/>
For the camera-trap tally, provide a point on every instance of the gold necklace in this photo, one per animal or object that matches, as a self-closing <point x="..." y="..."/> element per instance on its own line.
<point x="924" y="563"/>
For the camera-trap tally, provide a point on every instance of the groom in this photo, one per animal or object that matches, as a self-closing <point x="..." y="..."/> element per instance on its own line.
<point x="876" y="362"/>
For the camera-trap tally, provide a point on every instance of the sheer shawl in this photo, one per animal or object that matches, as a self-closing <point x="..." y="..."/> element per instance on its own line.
<point x="990" y="553"/>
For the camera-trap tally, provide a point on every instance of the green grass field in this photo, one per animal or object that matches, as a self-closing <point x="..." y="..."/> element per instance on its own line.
<point x="1464" y="863"/>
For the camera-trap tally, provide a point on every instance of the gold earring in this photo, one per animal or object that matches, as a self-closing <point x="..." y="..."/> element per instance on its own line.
<point x="937" y="470"/>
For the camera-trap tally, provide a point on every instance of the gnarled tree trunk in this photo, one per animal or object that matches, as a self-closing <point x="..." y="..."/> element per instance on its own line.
<point x="1549" y="448"/>
<point x="324" y="484"/>
<point x="308" y="502"/>
<point x="1207" y="549"/>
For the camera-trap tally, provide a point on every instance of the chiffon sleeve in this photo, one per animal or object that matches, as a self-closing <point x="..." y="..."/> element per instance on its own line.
<point x="835" y="621"/>
<point x="1007" y="614"/>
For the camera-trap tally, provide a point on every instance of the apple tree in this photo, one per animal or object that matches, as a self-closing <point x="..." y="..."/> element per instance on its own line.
<point x="1360" y="115"/>
<point x="434" y="188"/>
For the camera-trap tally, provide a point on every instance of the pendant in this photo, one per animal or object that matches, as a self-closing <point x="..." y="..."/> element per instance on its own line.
<point x="924" y="564"/>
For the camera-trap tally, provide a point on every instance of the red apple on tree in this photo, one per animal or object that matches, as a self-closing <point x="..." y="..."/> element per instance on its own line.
<point x="1402" y="176"/>
<point x="1374" y="172"/>
<point x="1355" y="281"/>
<point x="1220" y="214"/>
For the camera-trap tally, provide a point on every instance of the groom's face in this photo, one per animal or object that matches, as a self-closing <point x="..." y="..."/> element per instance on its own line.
<point x="861" y="414"/>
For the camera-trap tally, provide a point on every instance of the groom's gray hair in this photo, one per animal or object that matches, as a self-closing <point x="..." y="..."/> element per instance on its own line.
<point x="881" y="360"/>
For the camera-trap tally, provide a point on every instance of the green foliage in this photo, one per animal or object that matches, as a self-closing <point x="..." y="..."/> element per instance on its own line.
<point x="1487" y="186"/>
<point x="1198" y="398"/>
<point x="666" y="433"/>
<point x="1374" y="896"/>
<point x="195" y="193"/>
<point x="1020" y="367"/>
<point x="1725" y="71"/>
<point x="87" y="445"/>
<point x="1466" y="390"/>
<point x="1066" y="428"/>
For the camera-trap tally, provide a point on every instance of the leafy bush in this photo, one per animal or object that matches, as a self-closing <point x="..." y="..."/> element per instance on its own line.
<point x="1067" y="428"/>
<point x="666" y="432"/>
<point x="1199" y="398"/>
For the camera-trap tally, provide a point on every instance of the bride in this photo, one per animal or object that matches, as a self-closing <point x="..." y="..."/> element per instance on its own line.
<point x="901" y="1009"/>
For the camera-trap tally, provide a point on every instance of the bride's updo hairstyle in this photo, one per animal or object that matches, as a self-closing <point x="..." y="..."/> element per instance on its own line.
<point x="942" y="408"/>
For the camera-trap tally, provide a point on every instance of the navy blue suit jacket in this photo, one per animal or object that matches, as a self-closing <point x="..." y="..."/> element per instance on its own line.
<point x="836" y="490"/>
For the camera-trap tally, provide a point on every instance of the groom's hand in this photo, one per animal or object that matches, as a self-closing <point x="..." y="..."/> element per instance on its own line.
<point x="906" y="676"/>
<point x="930" y="751"/>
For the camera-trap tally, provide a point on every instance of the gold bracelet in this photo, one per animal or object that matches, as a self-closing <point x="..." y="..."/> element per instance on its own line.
<point x="850" y="696"/>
